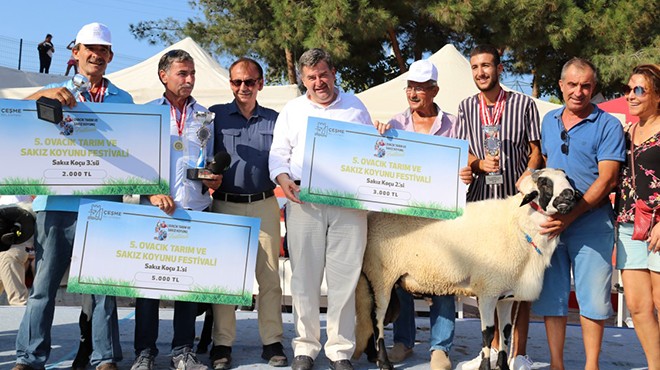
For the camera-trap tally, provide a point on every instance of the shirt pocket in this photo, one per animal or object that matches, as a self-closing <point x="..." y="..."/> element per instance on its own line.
<point x="230" y="139"/>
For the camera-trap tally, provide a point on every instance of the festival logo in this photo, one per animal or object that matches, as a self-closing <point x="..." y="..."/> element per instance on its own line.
<point x="161" y="231"/>
<point x="66" y="126"/>
<point x="379" y="147"/>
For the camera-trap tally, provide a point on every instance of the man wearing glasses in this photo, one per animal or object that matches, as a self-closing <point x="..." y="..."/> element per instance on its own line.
<point x="426" y="117"/>
<point x="517" y="155"/>
<point x="244" y="129"/>
<point x="588" y="144"/>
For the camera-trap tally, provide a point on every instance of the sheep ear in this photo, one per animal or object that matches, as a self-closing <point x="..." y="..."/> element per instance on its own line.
<point x="529" y="197"/>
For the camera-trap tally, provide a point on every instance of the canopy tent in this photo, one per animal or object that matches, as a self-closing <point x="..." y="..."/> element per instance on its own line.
<point x="454" y="79"/>
<point x="620" y="106"/>
<point x="10" y="78"/>
<point x="211" y="85"/>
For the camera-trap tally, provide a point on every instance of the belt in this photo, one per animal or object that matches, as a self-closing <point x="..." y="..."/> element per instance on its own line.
<point x="243" y="198"/>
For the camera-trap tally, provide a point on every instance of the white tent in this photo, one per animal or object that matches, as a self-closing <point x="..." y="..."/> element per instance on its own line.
<point x="454" y="79"/>
<point x="211" y="85"/>
<point x="10" y="78"/>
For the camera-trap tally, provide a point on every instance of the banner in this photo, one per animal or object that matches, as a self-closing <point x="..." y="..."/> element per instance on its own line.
<point x="97" y="149"/>
<point x="133" y="250"/>
<point x="351" y="165"/>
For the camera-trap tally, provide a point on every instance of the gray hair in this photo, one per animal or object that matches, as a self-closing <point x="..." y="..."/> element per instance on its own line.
<point x="314" y="56"/>
<point x="176" y="55"/>
<point x="581" y="64"/>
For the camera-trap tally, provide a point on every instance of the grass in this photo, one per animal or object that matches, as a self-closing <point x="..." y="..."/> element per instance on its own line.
<point x="124" y="288"/>
<point x="428" y="210"/>
<point x="27" y="186"/>
<point x="103" y="286"/>
<point x="332" y="198"/>
<point x="131" y="185"/>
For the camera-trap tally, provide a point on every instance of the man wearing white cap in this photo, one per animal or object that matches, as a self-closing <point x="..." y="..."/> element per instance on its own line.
<point x="56" y="225"/>
<point x="426" y="117"/>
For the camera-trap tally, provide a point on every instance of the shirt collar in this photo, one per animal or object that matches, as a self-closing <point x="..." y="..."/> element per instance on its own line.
<point x="233" y="109"/>
<point x="592" y="117"/>
<point x="163" y="101"/>
<point x="336" y="101"/>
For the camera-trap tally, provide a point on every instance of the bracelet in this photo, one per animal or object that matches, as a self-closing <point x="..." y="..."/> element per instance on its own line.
<point x="531" y="170"/>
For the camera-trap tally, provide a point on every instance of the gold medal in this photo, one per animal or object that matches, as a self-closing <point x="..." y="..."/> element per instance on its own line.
<point x="178" y="145"/>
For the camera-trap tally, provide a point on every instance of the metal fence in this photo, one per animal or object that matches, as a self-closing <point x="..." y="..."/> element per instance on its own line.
<point x="22" y="54"/>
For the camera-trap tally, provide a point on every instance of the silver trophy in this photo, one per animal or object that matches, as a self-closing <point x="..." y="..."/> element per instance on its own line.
<point x="493" y="146"/>
<point x="51" y="109"/>
<point x="80" y="84"/>
<point x="204" y="133"/>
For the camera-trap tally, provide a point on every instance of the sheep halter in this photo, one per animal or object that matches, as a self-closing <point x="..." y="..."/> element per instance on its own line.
<point x="531" y="241"/>
<point x="537" y="208"/>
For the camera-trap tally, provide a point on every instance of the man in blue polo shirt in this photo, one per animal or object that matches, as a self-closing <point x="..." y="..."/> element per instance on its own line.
<point x="244" y="129"/>
<point x="588" y="144"/>
<point x="56" y="225"/>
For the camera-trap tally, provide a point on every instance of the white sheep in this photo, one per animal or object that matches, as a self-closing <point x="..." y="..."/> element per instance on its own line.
<point x="493" y="251"/>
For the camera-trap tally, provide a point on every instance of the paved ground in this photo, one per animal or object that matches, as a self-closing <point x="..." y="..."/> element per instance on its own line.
<point x="621" y="347"/>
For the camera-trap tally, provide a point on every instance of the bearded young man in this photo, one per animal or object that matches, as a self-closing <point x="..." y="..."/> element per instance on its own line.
<point x="519" y="155"/>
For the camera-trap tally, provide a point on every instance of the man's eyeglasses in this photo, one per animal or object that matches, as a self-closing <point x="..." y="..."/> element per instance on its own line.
<point x="417" y="89"/>
<point x="638" y="90"/>
<point x="249" y="83"/>
<point x="565" y="138"/>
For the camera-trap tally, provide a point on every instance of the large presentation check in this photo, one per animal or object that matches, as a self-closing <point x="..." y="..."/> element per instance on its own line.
<point x="139" y="251"/>
<point x="351" y="165"/>
<point x="96" y="149"/>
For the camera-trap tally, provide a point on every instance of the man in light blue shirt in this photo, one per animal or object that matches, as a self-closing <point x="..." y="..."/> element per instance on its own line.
<point x="56" y="225"/>
<point x="176" y="71"/>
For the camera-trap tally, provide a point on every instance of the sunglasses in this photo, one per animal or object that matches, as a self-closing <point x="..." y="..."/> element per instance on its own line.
<point x="565" y="138"/>
<point x="249" y="83"/>
<point x="638" y="90"/>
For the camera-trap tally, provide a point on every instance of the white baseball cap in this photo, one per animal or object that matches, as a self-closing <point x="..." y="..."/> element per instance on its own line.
<point x="422" y="71"/>
<point x="94" y="34"/>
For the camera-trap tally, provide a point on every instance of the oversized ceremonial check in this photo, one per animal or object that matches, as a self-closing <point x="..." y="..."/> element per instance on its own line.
<point x="96" y="149"/>
<point x="139" y="251"/>
<point x="351" y="165"/>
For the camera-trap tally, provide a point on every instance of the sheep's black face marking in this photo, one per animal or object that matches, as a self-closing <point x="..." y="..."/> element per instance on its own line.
<point x="545" y="187"/>
<point x="565" y="201"/>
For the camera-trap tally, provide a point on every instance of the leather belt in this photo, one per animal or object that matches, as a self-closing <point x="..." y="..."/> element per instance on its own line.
<point x="243" y="198"/>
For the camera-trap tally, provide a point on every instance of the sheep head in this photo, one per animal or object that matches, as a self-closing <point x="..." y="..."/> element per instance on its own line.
<point x="550" y="189"/>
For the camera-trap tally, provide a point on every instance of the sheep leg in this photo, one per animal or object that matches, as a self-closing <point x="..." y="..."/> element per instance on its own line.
<point x="382" y="301"/>
<point x="487" y="313"/>
<point x="504" y="319"/>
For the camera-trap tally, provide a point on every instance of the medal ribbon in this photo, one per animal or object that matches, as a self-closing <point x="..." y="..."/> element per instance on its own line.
<point x="181" y="122"/>
<point x="98" y="96"/>
<point x="486" y="118"/>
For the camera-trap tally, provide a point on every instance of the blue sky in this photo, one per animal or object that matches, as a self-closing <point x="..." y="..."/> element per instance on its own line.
<point x="32" y="20"/>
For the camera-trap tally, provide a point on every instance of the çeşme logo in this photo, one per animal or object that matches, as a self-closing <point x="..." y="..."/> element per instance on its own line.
<point x="321" y="129"/>
<point x="11" y="111"/>
<point x="66" y="126"/>
<point x="379" y="147"/>
<point x="97" y="212"/>
<point x="160" y="231"/>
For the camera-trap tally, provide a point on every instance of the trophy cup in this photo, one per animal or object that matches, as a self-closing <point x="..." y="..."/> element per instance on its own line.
<point x="200" y="171"/>
<point x="51" y="109"/>
<point x="492" y="145"/>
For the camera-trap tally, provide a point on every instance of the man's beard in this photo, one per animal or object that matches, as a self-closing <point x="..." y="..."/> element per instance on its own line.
<point x="494" y="81"/>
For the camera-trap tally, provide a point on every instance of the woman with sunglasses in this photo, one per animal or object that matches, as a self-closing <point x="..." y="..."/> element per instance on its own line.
<point x="639" y="260"/>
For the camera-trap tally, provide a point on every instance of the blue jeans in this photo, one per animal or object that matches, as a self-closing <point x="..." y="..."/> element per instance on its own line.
<point x="54" y="233"/>
<point x="442" y="314"/>
<point x="146" y="326"/>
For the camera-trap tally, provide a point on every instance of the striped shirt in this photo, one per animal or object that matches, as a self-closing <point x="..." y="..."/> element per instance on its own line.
<point x="520" y="125"/>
